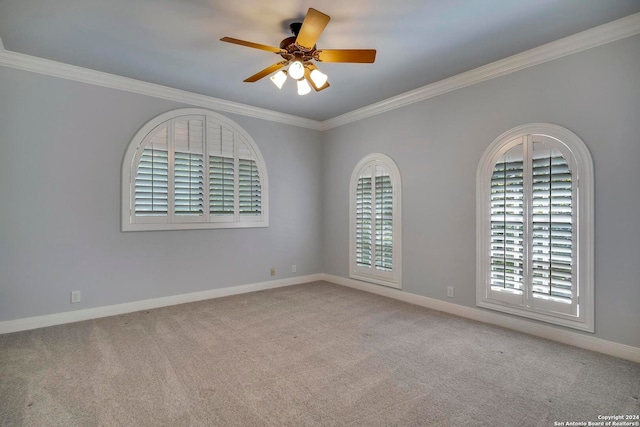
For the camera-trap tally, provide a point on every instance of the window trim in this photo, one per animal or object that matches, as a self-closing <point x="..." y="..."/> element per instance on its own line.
<point x="393" y="279"/>
<point x="583" y="167"/>
<point x="131" y="160"/>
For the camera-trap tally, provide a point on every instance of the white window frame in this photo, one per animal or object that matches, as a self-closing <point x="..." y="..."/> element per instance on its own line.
<point x="577" y="154"/>
<point x="129" y="222"/>
<point x="386" y="278"/>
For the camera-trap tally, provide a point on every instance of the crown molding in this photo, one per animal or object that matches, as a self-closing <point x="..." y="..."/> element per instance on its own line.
<point x="597" y="36"/>
<point x="603" y="34"/>
<point x="84" y="75"/>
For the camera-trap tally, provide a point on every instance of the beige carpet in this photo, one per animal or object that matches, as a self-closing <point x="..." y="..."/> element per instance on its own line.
<point x="313" y="354"/>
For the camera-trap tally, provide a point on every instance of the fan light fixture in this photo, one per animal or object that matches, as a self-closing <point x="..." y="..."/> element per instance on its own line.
<point x="296" y="70"/>
<point x="318" y="77"/>
<point x="300" y="54"/>
<point x="303" y="87"/>
<point x="279" y="78"/>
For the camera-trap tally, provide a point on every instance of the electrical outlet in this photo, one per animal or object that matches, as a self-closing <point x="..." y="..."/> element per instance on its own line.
<point x="450" y="291"/>
<point x="273" y="271"/>
<point x="294" y="268"/>
<point x="75" y="297"/>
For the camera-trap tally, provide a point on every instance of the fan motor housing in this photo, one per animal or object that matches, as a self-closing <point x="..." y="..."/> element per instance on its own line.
<point x="293" y="49"/>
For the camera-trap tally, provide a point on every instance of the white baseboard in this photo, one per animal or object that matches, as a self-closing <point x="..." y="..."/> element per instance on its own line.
<point x="129" y="307"/>
<point x="563" y="336"/>
<point x="532" y="328"/>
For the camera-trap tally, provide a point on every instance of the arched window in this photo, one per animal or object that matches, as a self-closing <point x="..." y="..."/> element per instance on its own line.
<point x="193" y="168"/>
<point x="375" y="221"/>
<point x="535" y="226"/>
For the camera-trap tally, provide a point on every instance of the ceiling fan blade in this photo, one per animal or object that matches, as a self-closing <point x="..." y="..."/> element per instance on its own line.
<point x="347" y="55"/>
<point x="270" y="69"/>
<point x="312" y="26"/>
<point x="250" y="44"/>
<point x="307" y="75"/>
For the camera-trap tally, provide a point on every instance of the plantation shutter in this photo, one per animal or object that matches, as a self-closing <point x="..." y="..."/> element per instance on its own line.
<point x="221" y="171"/>
<point x="532" y="222"/>
<point x="384" y="220"/>
<point x="375" y="232"/>
<point x="189" y="167"/>
<point x="374" y="219"/>
<point x="363" y="221"/>
<point x="152" y="176"/>
<point x="507" y="222"/>
<point x="249" y="188"/>
<point x="552" y="225"/>
<point x="195" y="169"/>
<point x="535" y="229"/>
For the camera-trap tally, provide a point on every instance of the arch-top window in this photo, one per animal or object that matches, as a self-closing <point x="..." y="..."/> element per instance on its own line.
<point x="535" y="226"/>
<point x="193" y="168"/>
<point x="375" y="221"/>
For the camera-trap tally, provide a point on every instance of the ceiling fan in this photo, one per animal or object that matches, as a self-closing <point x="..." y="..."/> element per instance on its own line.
<point x="299" y="53"/>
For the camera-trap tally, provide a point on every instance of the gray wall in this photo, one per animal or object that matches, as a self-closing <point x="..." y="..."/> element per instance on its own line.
<point x="61" y="150"/>
<point x="437" y="145"/>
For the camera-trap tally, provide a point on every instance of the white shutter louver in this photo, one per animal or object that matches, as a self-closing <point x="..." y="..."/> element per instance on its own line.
<point x="189" y="167"/>
<point x="363" y="221"/>
<point x="507" y="222"/>
<point x="221" y="171"/>
<point x="221" y="185"/>
<point x="151" y="182"/>
<point x="552" y="231"/>
<point x="188" y="184"/>
<point x="249" y="189"/>
<point x="384" y="220"/>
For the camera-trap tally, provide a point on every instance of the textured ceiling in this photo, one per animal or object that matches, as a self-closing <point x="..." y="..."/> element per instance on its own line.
<point x="176" y="42"/>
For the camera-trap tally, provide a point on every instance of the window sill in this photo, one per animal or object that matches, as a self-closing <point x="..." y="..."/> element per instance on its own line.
<point x="192" y="226"/>
<point x="560" y="320"/>
<point x="377" y="281"/>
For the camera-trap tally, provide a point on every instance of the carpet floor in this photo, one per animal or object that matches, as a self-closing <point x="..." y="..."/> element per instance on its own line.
<point x="316" y="354"/>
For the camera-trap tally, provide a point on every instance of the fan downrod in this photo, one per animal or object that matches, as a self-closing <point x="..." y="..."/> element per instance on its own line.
<point x="295" y="28"/>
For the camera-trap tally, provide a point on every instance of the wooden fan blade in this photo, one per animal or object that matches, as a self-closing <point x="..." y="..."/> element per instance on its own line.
<point x="347" y="55"/>
<point x="307" y="75"/>
<point x="312" y="26"/>
<point x="250" y="44"/>
<point x="270" y="69"/>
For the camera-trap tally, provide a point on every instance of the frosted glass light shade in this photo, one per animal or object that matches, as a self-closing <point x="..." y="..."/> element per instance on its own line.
<point x="303" y="87"/>
<point x="296" y="70"/>
<point x="319" y="78"/>
<point x="279" y="78"/>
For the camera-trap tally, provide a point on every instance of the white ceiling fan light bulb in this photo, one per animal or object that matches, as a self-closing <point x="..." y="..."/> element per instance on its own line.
<point x="303" y="87"/>
<point x="296" y="70"/>
<point x="279" y="78"/>
<point x="319" y="78"/>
